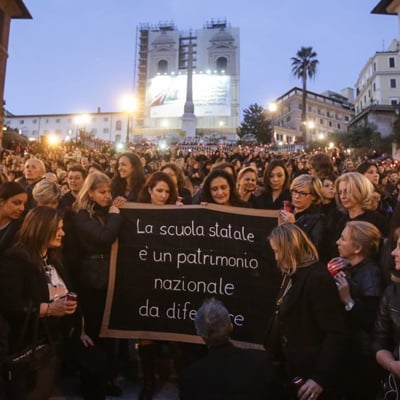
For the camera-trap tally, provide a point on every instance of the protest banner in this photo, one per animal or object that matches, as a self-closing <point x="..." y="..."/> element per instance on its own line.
<point x="168" y="259"/>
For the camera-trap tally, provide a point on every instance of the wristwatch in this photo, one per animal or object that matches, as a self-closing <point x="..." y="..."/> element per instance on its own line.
<point x="349" y="305"/>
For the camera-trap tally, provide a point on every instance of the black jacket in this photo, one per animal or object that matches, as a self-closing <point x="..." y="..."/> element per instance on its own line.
<point x="22" y="283"/>
<point x="313" y="222"/>
<point x="366" y="287"/>
<point x="386" y="334"/>
<point x="311" y="329"/>
<point x="265" y="201"/>
<point x="227" y="373"/>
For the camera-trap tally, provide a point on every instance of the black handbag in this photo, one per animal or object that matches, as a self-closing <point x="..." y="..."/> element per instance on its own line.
<point x="25" y="366"/>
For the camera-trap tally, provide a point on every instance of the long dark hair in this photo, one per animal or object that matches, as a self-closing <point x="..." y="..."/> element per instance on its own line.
<point x="39" y="227"/>
<point x="234" y="197"/>
<point x="136" y="180"/>
<point x="10" y="189"/>
<point x="271" y="166"/>
<point x="152" y="180"/>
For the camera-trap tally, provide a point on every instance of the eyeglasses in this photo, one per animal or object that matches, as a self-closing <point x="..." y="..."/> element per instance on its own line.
<point x="300" y="194"/>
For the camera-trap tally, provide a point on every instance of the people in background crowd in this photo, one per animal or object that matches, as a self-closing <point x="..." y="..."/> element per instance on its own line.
<point x="247" y="184"/>
<point x="34" y="170"/>
<point x="276" y="187"/>
<point x="180" y="182"/>
<point x="46" y="193"/>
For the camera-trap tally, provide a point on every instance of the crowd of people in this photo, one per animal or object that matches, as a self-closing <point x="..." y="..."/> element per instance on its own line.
<point x="335" y="326"/>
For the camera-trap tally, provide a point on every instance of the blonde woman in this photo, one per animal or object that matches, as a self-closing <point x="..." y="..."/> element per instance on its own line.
<point x="306" y="194"/>
<point x="247" y="184"/>
<point x="356" y="196"/>
<point x="96" y="226"/>
<point x="360" y="286"/>
<point x="306" y="334"/>
<point x="46" y="193"/>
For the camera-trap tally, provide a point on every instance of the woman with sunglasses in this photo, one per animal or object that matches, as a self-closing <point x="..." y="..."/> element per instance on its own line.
<point x="306" y="195"/>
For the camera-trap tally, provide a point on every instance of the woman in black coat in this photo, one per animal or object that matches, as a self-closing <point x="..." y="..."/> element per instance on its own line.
<point x="306" y="194"/>
<point x="96" y="226"/>
<point x="360" y="286"/>
<point x="32" y="280"/>
<point x="276" y="187"/>
<point x="306" y="335"/>
<point x="386" y="336"/>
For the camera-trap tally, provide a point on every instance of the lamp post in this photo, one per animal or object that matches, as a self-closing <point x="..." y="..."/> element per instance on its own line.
<point x="129" y="106"/>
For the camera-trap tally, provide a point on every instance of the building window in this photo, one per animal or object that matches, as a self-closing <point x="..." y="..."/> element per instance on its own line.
<point x="374" y="67"/>
<point x="393" y="83"/>
<point x="21" y="121"/>
<point x="328" y="114"/>
<point x="105" y="119"/>
<point x="374" y="87"/>
<point x="162" y="67"/>
<point x="330" y="123"/>
<point x="391" y="62"/>
<point x="118" y="125"/>
<point x="321" y="121"/>
<point x="58" y="120"/>
<point x="346" y="118"/>
<point x="393" y="102"/>
<point x="105" y="131"/>
<point x="338" y="126"/>
<point x="221" y="64"/>
<point x="34" y="121"/>
<point x="288" y="119"/>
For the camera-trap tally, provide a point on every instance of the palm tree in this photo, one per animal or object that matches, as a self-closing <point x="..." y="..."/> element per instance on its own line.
<point x="304" y="66"/>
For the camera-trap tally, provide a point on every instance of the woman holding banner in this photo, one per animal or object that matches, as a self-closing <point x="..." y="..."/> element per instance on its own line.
<point x="96" y="225"/>
<point x="129" y="178"/>
<point x="158" y="190"/>
<point x="306" y="335"/>
<point x="220" y="188"/>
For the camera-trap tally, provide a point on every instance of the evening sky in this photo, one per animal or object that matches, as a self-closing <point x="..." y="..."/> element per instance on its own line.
<point x="77" y="55"/>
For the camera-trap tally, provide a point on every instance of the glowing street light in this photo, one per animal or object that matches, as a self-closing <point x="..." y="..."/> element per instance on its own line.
<point x="272" y="107"/>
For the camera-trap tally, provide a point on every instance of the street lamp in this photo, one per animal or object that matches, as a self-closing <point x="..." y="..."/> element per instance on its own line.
<point x="129" y="106"/>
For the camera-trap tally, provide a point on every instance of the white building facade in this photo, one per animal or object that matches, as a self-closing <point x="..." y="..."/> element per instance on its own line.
<point x="108" y="127"/>
<point x="379" y="80"/>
